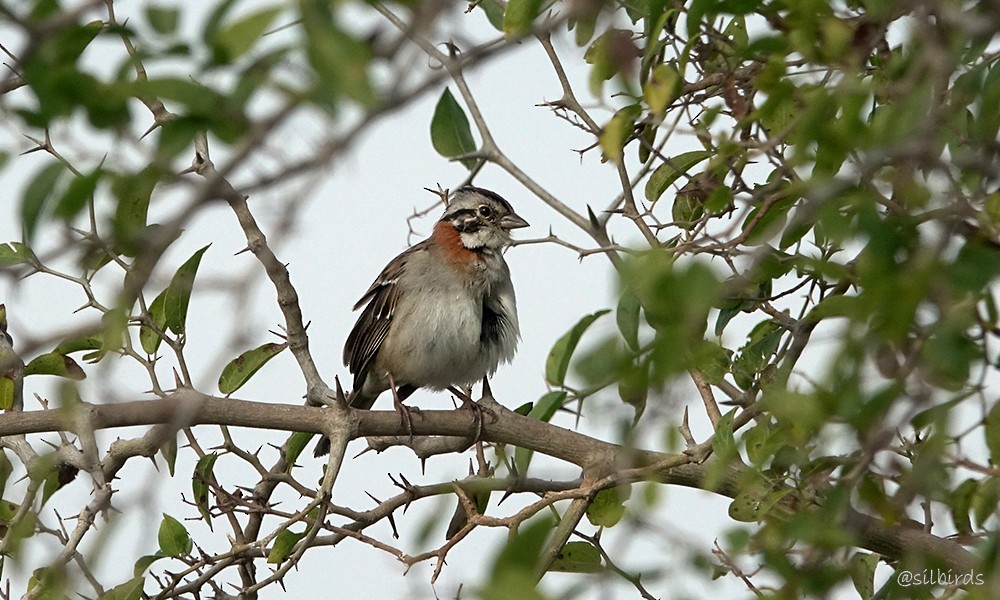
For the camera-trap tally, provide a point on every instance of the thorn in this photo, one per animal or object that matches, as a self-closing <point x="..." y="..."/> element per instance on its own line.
<point x="34" y="140"/>
<point x="151" y="129"/>
<point x="593" y="218"/>
<point x="245" y="249"/>
<point x="341" y="399"/>
<point x="392" y="523"/>
<point x="507" y="494"/>
<point x="365" y="451"/>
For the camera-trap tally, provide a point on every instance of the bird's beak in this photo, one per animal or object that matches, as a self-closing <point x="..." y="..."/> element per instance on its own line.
<point x="512" y="221"/>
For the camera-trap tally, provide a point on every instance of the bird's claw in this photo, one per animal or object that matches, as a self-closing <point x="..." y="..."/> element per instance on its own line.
<point x="405" y="415"/>
<point x="478" y="411"/>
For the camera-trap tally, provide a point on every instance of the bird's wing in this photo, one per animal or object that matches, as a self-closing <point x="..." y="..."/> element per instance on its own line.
<point x="379" y="303"/>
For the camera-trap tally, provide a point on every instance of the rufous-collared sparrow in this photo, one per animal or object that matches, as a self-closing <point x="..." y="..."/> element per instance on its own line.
<point x="443" y="312"/>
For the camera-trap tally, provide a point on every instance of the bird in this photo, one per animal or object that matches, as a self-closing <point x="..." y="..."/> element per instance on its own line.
<point x="441" y="314"/>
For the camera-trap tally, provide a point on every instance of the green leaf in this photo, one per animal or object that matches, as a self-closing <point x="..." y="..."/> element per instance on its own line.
<point x="80" y="344"/>
<point x="863" y="573"/>
<point x="203" y="474"/>
<point x="494" y="13"/>
<point x="16" y="531"/>
<point x="627" y="316"/>
<point x="663" y="87"/>
<point x="149" y="339"/>
<point x="115" y="326"/>
<point x="689" y="203"/>
<point x="133" y="192"/>
<point x="543" y="410"/>
<point x="618" y="132"/>
<point x="746" y="506"/>
<point x="177" y="135"/>
<point x="233" y="41"/>
<point x="986" y="502"/>
<point x="949" y="354"/>
<point x="608" y="506"/>
<point x="130" y="590"/>
<point x="173" y="537"/>
<point x="524" y="409"/>
<point x="37" y="195"/>
<point x="79" y="192"/>
<point x="760" y="230"/>
<point x="513" y="573"/>
<point x="975" y="267"/>
<point x="583" y="24"/>
<point x="960" y="503"/>
<point x="15" y="253"/>
<point x="144" y="563"/>
<point x="756" y="353"/>
<point x="243" y="367"/>
<point x="340" y="59"/>
<point x="459" y="519"/>
<point x="713" y="360"/>
<point x="519" y="16"/>
<point x="696" y="12"/>
<point x="163" y="20"/>
<point x="557" y="363"/>
<point x="723" y="442"/>
<point x="577" y="557"/>
<point x="671" y="170"/>
<point x="56" y="364"/>
<point x="6" y="469"/>
<point x="296" y="444"/>
<point x="214" y="21"/>
<point x="676" y="300"/>
<point x="633" y="387"/>
<point x="200" y="100"/>
<point x="991" y="430"/>
<point x="178" y="293"/>
<point x="606" y="57"/>
<point x="169" y="452"/>
<point x="450" y="133"/>
<point x="283" y="546"/>
<point x="58" y="476"/>
<point x="755" y="440"/>
<point x="8" y="392"/>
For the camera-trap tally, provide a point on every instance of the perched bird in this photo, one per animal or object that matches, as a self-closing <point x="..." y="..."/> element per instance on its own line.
<point x="443" y="312"/>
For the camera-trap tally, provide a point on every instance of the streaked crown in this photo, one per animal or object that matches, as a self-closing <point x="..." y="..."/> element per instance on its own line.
<point x="483" y="218"/>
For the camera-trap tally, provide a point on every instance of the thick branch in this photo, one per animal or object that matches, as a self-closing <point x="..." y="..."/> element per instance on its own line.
<point x="509" y="427"/>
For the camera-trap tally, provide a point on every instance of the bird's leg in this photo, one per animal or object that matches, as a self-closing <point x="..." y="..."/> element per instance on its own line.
<point x="404" y="411"/>
<point x="478" y="410"/>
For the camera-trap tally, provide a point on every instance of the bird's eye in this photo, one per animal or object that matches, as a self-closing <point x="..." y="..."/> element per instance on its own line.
<point x="485" y="211"/>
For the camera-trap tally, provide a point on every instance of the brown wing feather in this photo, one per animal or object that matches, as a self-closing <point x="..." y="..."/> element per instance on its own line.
<point x="365" y="339"/>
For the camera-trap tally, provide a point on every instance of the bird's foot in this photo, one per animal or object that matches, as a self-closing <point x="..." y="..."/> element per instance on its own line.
<point x="478" y="410"/>
<point x="405" y="414"/>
